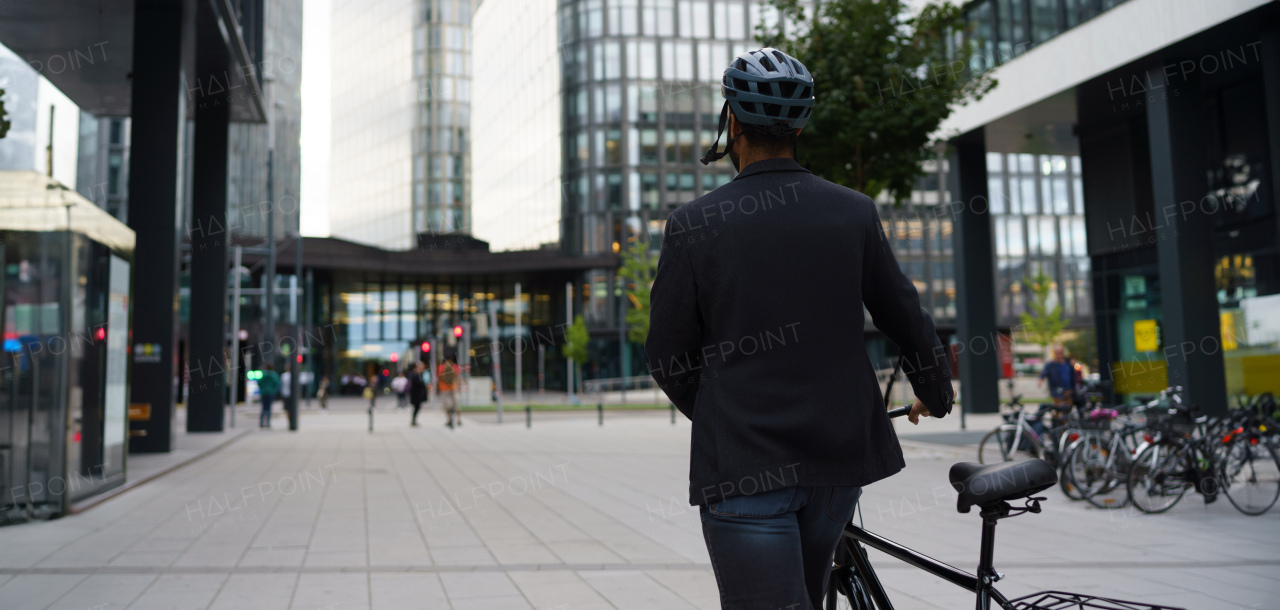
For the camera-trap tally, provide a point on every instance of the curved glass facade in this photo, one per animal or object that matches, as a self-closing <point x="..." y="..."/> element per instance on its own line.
<point x="442" y="73"/>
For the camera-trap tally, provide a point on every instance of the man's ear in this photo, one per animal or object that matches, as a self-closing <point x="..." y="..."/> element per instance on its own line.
<point x="734" y="126"/>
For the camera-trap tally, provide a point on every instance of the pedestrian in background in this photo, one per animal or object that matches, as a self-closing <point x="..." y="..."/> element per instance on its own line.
<point x="417" y="390"/>
<point x="400" y="385"/>
<point x="1061" y="373"/>
<point x="322" y="392"/>
<point x="268" y="388"/>
<point x="371" y="391"/>
<point x="447" y="376"/>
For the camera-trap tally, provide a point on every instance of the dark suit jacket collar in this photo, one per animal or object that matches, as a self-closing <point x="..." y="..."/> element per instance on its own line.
<point x="779" y="164"/>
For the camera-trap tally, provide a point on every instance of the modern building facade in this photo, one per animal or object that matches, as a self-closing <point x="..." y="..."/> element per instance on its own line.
<point x="401" y="120"/>
<point x="102" y="170"/>
<point x="249" y="191"/>
<point x="516" y="141"/>
<point x="1170" y="140"/>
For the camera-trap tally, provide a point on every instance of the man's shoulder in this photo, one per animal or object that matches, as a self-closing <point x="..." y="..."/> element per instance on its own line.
<point x="770" y="189"/>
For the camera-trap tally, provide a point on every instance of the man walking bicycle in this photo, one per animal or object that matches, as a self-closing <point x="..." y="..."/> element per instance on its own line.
<point x="756" y="335"/>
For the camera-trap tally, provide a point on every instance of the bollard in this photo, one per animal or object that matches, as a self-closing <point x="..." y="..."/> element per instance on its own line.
<point x="673" y="413"/>
<point x="528" y="416"/>
<point x="600" y="409"/>
<point x="370" y="418"/>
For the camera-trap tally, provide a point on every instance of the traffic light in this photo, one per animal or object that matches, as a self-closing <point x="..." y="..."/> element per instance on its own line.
<point x="457" y="330"/>
<point x="426" y="347"/>
<point x="395" y="357"/>
<point x="4" y="125"/>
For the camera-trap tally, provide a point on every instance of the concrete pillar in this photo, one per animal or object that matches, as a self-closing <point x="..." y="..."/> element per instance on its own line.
<point x="1191" y="333"/>
<point x="207" y="229"/>
<point x="974" y="257"/>
<point x="157" y="113"/>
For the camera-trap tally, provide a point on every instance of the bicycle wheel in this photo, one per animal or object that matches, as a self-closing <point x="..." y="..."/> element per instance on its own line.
<point x="1075" y="474"/>
<point x="997" y="445"/>
<point x="1111" y="490"/>
<point x="1251" y="476"/>
<point x="1158" y="478"/>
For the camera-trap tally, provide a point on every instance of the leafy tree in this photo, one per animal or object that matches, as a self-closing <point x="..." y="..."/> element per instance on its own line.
<point x="1041" y="325"/>
<point x="576" y="341"/>
<point x="575" y="348"/>
<point x="885" y="79"/>
<point x="639" y="264"/>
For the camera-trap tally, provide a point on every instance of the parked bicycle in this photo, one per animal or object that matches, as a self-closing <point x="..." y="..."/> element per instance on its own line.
<point x="1026" y="435"/>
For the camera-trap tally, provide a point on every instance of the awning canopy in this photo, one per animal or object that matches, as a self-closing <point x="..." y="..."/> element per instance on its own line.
<point x="30" y="201"/>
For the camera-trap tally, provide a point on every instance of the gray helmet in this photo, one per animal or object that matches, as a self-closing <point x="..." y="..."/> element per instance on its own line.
<point x="767" y="89"/>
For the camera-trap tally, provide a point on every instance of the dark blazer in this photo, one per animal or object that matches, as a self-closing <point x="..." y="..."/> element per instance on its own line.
<point x="417" y="388"/>
<point x="756" y="334"/>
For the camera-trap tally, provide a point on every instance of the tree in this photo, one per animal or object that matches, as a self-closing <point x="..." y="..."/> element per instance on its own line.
<point x="576" y="342"/>
<point x="639" y="264"/>
<point x="1041" y="325"/>
<point x="885" y="79"/>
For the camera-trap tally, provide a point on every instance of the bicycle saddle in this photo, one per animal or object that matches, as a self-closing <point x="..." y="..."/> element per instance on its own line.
<point x="981" y="484"/>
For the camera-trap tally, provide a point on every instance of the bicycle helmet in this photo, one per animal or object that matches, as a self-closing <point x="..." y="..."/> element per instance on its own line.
<point x="768" y="90"/>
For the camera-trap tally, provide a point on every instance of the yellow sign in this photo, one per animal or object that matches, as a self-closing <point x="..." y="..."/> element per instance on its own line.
<point x="1146" y="336"/>
<point x="1228" y="324"/>
<point x="139" y="411"/>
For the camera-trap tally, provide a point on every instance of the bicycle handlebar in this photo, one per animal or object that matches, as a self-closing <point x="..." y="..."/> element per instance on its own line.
<point x="900" y="411"/>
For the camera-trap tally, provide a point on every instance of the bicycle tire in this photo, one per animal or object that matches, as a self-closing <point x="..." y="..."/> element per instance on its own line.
<point x="1002" y="448"/>
<point x="1159" y="467"/>
<point x="1262" y="468"/>
<point x="1067" y="481"/>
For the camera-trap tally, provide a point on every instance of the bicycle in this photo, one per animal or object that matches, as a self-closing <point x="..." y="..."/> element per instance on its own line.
<point x="1249" y="465"/>
<point x="990" y="488"/>
<point x="1098" y="464"/>
<point x="1175" y="459"/>
<point x="1017" y="437"/>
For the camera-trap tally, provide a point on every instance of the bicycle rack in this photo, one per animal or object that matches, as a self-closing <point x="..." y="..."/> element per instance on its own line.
<point x="1059" y="600"/>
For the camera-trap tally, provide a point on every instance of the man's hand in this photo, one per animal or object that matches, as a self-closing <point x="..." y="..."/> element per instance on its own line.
<point x="917" y="410"/>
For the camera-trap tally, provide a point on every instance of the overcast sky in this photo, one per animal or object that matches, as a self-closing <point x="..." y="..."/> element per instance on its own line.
<point x="315" y="118"/>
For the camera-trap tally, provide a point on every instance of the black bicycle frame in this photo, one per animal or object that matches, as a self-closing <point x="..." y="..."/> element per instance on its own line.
<point x="982" y="587"/>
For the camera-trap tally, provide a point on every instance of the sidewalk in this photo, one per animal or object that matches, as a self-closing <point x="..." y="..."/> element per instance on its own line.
<point x="566" y="514"/>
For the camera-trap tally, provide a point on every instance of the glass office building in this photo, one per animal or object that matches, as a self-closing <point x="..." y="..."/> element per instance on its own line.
<point x="516" y="177"/>
<point x="401" y="92"/>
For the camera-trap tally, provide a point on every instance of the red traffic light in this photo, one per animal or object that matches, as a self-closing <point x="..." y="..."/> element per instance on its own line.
<point x="457" y="331"/>
<point x="386" y="373"/>
<point x="426" y="346"/>
<point x="395" y="357"/>
<point x="299" y="357"/>
<point x="101" y="333"/>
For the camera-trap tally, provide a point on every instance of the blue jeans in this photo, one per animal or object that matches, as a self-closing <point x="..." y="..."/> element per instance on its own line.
<point x="264" y="420"/>
<point x="773" y="550"/>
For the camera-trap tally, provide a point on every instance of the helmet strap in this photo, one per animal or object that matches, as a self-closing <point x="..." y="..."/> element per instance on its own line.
<point x="712" y="153"/>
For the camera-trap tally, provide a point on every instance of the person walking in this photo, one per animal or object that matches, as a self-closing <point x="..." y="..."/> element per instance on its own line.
<point x="268" y="389"/>
<point x="400" y="385"/>
<point x="1061" y="373"/>
<point x="417" y="390"/>
<point x="756" y="335"/>
<point x="322" y="392"/>
<point x="446" y="385"/>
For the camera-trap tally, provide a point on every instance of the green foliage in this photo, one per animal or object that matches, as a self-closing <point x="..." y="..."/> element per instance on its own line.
<point x="1041" y="325"/>
<point x="4" y="125"/>
<point x="884" y="82"/>
<point x="639" y="264"/>
<point x="576" y="340"/>
<point x="1083" y="346"/>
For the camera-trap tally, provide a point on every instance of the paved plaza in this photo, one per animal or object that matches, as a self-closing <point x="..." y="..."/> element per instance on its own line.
<point x="565" y="515"/>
